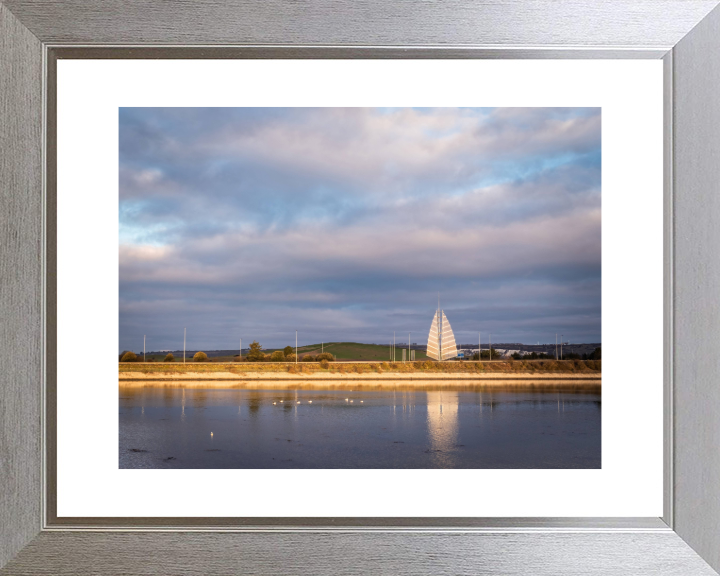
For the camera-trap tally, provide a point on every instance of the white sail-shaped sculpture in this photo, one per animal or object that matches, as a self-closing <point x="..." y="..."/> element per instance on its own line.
<point x="447" y="342"/>
<point x="433" y="345"/>
<point x="441" y="340"/>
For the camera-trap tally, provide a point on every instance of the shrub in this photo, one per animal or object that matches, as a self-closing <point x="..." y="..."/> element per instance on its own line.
<point x="256" y="354"/>
<point x="169" y="358"/>
<point x="277" y="356"/>
<point x="290" y="358"/>
<point x="266" y="358"/>
<point x="238" y="358"/>
<point x="128" y="357"/>
<point x="308" y="358"/>
<point x="200" y="357"/>
<point x="325" y="356"/>
<point x="324" y="364"/>
<point x="287" y="350"/>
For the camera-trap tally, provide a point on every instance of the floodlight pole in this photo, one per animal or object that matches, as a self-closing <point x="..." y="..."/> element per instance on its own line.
<point x="393" y="347"/>
<point x="295" y="346"/>
<point x="143" y="348"/>
<point x="561" y="341"/>
<point x="408" y="346"/>
<point x="479" y="348"/>
<point x="240" y="348"/>
<point x="490" y="349"/>
<point x="556" y="355"/>
<point x="184" y="339"/>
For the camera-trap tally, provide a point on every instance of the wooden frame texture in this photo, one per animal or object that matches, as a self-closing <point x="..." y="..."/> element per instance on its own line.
<point x="684" y="33"/>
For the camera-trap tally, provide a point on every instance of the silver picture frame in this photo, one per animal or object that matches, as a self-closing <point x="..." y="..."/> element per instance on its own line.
<point x="685" y="34"/>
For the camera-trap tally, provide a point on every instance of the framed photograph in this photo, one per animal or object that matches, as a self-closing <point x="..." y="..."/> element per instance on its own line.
<point x="322" y="291"/>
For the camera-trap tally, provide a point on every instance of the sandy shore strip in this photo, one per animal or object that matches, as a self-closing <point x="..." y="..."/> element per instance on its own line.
<point x="279" y="380"/>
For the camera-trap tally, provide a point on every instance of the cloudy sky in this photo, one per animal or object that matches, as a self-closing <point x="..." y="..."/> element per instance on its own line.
<point x="345" y="223"/>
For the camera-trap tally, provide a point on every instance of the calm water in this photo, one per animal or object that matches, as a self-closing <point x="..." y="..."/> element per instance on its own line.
<point x="201" y="428"/>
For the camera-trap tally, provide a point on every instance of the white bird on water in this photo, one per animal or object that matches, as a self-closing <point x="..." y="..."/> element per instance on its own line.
<point x="309" y="401"/>
<point x="274" y="403"/>
<point x="347" y="399"/>
<point x="211" y="434"/>
<point x="298" y="402"/>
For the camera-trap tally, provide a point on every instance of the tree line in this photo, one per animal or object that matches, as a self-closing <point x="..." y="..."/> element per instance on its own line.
<point x="255" y="354"/>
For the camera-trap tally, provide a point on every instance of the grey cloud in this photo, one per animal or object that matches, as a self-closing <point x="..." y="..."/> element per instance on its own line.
<point x="346" y="222"/>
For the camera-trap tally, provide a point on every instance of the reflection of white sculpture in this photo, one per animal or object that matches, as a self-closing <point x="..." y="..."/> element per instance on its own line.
<point x="442" y="410"/>
<point x="441" y="340"/>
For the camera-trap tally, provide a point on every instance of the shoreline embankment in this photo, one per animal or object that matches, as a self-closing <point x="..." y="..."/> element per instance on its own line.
<point x="366" y="382"/>
<point x="500" y="374"/>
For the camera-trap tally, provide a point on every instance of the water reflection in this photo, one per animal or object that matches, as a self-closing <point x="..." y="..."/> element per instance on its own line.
<point x="253" y="402"/>
<point x="359" y="428"/>
<point x="442" y="423"/>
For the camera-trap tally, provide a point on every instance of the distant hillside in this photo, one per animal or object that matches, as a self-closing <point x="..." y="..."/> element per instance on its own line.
<point x="365" y="352"/>
<point x="356" y="351"/>
<point x="341" y="351"/>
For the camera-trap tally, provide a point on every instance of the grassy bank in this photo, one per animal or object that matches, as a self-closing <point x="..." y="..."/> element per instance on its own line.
<point x="566" y="368"/>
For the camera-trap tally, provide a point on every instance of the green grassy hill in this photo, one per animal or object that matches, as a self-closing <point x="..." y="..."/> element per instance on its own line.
<point x="341" y="351"/>
<point x="356" y="351"/>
